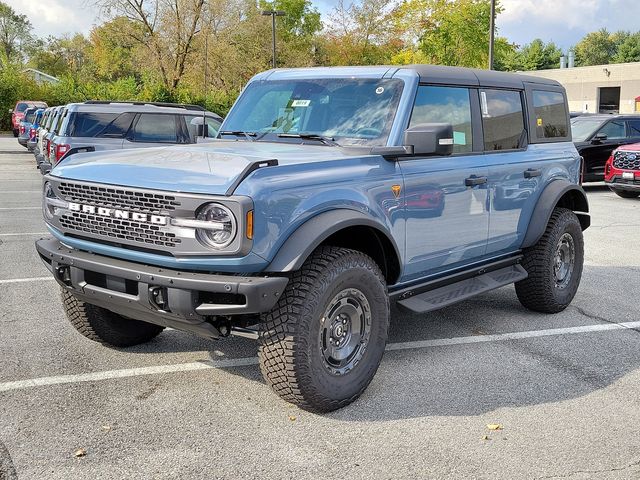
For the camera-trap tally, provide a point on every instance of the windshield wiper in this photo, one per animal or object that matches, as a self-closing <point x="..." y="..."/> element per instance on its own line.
<point x="311" y="136"/>
<point x="248" y="135"/>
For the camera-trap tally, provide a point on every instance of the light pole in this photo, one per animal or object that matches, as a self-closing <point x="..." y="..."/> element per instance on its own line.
<point x="492" y="32"/>
<point x="274" y="14"/>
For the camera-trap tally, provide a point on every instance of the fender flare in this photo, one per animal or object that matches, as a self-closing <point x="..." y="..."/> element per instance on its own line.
<point x="549" y="199"/>
<point x="302" y="242"/>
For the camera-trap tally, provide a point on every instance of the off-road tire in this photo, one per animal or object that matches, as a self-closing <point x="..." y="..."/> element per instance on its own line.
<point x="290" y="350"/>
<point x="15" y="133"/>
<point x="103" y="326"/>
<point x="625" y="193"/>
<point x="540" y="291"/>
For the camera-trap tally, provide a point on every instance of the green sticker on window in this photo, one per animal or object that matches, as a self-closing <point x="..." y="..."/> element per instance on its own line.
<point x="459" y="138"/>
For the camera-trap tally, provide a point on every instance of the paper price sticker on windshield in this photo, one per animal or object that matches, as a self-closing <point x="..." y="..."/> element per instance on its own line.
<point x="300" y="103"/>
<point x="539" y="122"/>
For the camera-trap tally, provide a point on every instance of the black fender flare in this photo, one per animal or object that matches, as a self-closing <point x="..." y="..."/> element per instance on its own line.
<point x="551" y="196"/>
<point x="310" y="235"/>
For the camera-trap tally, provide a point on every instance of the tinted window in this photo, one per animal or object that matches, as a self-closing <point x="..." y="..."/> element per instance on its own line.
<point x="551" y="114"/>
<point x="89" y="124"/>
<point x="21" y="107"/>
<point x="30" y="116"/>
<point x="502" y="119"/>
<point x="613" y="130"/>
<point x="445" y="105"/>
<point x="633" y="128"/>
<point x="119" y="127"/>
<point x="155" y="128"/>
<point x="58" y="122"/>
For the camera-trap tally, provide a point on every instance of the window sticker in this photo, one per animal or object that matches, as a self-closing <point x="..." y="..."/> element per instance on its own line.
<point x="539" y="122"/>
<point x="300" y="103"/>
<point x="379" y="90"/>
<point x="459" y="138"/>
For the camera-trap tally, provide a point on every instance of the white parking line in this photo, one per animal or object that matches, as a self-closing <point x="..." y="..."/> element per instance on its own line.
<point x="20" y="208"/>
<point x="26" y="280"/>
<point x="20" y="191"/>
<point x="241" y="362"/>
<point x="22" y="234"/>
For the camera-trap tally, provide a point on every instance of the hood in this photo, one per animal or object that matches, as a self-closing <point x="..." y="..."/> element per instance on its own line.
<point x="209" y="168"/>
<point x="634" y="147"/>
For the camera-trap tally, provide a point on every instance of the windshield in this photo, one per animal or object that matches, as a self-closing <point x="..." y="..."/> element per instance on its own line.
<point x="351" y="111"/>
<point x="583" y="128"/>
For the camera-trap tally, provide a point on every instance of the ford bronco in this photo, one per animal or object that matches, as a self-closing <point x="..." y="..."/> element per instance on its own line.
<point x="329" y="194"/>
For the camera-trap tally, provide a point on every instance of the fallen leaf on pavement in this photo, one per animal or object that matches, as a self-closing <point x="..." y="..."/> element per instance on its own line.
<point x="81" y="452"/>
<point x="485" y="437"/>
<point x="106" y="428"/>
<point x="494" y="426"/>
<point x="292" y="418"/>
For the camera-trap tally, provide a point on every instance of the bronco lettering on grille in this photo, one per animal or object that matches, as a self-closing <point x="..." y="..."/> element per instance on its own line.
<point x="121" y="214"/>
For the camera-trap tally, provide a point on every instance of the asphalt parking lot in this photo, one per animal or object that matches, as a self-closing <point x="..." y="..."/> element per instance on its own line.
<point x="564" y="389"/>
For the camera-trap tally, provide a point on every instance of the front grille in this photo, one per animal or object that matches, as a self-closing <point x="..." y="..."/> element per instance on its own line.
<point x="627" y="160"/>
<point x="120" y="198"/>
<point x="118" y="229"/>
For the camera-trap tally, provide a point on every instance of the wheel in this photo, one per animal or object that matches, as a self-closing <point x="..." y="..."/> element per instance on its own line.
<point x="15" y="133"/>
<point x="103" y="326"/>
<point x="322" y="343"/>
<point x="625" y="193"/>
<point x="554" y="265"/>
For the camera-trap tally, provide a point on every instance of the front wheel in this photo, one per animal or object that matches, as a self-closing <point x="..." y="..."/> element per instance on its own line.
<point x="554" y="265"/>
<point x="322" y="343"/>
<point x="625" y="193"/>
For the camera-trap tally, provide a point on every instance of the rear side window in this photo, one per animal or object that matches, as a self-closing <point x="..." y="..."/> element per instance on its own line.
<point x="445" y="105"/>
<point x="634" y="128"/>
<point x="30" y="116"/>
<point x="58" y="122"/>
<point x="155" y="128"/>
<point x="551" y="114"/>
<point x="89" y="124"/>
<point x="502" y="119"/>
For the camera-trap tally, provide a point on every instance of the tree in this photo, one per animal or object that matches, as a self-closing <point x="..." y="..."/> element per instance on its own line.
<point x="15" y="32"/>
<point x="167" y="29"/>
<point x="596" y="48"/>
<point x="114" y="50"/>
<point x="61" y="56"/>
<point x="628" y="50"/>
<point x="534" y="56"/>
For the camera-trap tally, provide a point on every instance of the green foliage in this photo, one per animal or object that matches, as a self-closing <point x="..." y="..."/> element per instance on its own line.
<point x="534" y="56"/>
<point x="628" y="50"/>
<point x="301" y="19"/>
<point x="15" y="30"/>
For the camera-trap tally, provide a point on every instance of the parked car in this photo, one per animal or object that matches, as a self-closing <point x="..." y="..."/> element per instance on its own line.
<point x="596" y="136"/>
<point x="17" y="113"/>
<point x="32" y="140"/>
<point x="25" y="125"/>
<point x="116" y="125"/>
<point x="52" y="123"/>
<point x="622" y="171"/>
<point x="283" y="229"/>
<point x="42" y="130"/>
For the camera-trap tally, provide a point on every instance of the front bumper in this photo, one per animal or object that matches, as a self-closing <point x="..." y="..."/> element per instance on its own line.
<point x="23" y="141"/>
<point x="182" y="300"/>
<point x="616" y="182"/>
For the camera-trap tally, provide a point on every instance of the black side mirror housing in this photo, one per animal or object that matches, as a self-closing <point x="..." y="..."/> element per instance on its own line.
<point x="430" y="138"/>
<point x="599" y="138"/>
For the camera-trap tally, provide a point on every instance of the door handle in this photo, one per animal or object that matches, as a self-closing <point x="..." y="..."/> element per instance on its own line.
<point x="532" y="172"/>
<point x="472" y="181"/>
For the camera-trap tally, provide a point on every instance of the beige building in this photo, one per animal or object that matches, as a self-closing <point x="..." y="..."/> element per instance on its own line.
<point x="611" y="88"/>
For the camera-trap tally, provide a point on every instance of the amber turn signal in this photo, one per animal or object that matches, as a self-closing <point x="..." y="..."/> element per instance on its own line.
<point x="250" y="224"/>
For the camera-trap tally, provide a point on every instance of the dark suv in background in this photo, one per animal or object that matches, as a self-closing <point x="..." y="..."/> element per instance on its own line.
<point x="596" y="136"/>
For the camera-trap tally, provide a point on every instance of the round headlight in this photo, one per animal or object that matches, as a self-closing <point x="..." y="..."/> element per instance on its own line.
<point x="47" y="208"/>
<point x="222" y="228"/>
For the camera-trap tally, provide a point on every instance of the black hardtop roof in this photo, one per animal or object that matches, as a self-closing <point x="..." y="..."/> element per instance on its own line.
<point x="475" y="77"/>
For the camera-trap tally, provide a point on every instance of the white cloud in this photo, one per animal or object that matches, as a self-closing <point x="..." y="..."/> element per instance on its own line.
<point x="57" y="17"/>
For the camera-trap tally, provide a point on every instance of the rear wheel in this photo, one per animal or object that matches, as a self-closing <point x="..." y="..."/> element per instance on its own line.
<point x="554" y="265"/>
<point x="322" y="343"/>
<point x="103" y="326"/>
<point x="15" y="133"/>
<point x="625" y="193"/>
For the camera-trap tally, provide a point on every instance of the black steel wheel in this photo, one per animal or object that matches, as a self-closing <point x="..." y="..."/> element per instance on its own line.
<point x="322" y="343"/>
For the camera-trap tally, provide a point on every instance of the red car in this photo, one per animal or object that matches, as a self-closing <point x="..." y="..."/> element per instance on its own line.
<point x="622" y="171"/>
<point x="17" y="114"/>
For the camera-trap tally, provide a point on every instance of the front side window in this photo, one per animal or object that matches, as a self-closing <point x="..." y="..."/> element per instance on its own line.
<point x="352" y="111"/>
<point x="614" y="130"/>
<point x="551" y="114"/>
<point x="502" y="119"/>
<point x="194" y="121"/>
<point x="445" y="105"/>
<point x="155" y="128"/>
<point x="58" y="122"/>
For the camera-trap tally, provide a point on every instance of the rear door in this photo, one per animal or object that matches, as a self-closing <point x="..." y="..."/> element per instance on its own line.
<point x="447" y="219"/>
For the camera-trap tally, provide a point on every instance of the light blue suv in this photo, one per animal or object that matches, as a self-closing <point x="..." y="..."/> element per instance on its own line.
<point x="330" y="193"/>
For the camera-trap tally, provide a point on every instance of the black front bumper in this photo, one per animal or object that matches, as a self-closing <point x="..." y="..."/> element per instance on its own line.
<point x="172" y="298"/>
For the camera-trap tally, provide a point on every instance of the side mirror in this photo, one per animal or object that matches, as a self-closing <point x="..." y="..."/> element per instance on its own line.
<point x="430" y="138"/>
<point x="599" y="138"/>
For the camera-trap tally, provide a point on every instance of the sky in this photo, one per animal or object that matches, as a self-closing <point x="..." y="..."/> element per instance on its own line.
<point x="563" y="21"/>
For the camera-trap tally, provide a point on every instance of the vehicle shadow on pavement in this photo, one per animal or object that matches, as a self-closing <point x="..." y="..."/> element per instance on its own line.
<point x="476" y="378"/>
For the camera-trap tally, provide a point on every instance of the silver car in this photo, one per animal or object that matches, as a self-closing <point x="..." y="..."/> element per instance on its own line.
<point x="98" y="125"/>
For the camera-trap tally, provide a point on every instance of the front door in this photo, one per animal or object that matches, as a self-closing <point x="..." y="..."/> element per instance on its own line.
<point x="445" y="198"/>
